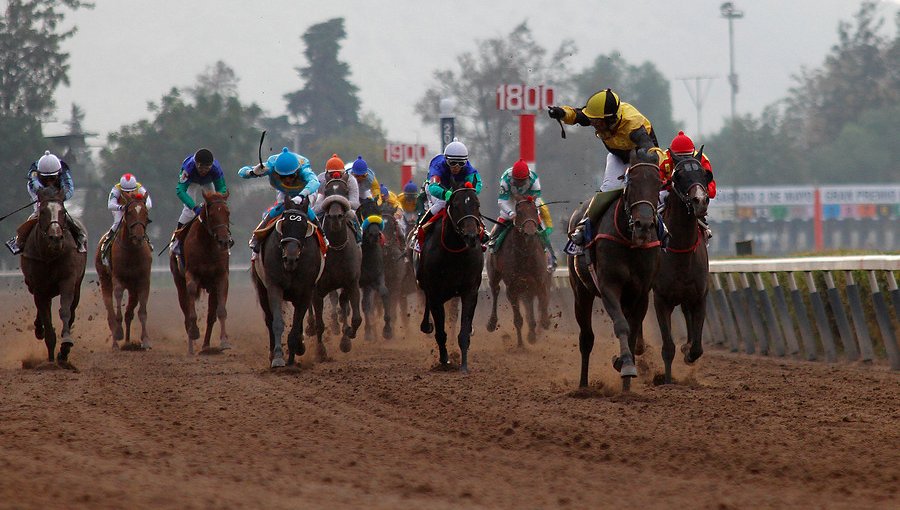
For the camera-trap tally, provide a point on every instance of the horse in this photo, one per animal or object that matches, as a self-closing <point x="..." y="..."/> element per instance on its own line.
<point x="450" y="266"/>
<point x="130" y="257"/>
<point x="399" y="276"/>
<point x="625" y="255"/>
<point x="520" y="264"/>
<point x="205" y="251"/>
<point x="372" y="270"/>
<point x="52" y="266"/>
<point x="684" y="264"/>
<point x="341" y="272"/>
<point x="287" y="268"/>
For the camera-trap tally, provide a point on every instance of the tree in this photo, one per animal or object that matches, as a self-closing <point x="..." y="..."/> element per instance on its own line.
<point x="218" y="78"/>
<point x="32" y="64"/>
<point x="23" y="143"/>
<point x="492" y="135"/>
<point x="327" y="102"/>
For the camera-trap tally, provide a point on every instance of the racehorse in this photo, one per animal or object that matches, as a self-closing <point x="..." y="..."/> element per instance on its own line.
<point x="342" y="268"/>
<point x="130" y="257"/>
<point x="52" y="267"/>
<point x="288" y="265"/>
<point x="205" y="251"/>
<point x="684" y="265"/>
<point x="399" y="275"/>
<point x="450" y="266"/>
<point x="520" y="264"/>
<point x="372" y="277"/>
<point x="625" y="258"/>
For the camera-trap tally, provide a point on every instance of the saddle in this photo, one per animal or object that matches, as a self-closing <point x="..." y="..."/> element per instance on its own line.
<point x="25" y="229"/>
<point x="263" y="232"/>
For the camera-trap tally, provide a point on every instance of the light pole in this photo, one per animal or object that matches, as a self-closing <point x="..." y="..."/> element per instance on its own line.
<point x="731" y="13"/>
<point x="698" y="96"/>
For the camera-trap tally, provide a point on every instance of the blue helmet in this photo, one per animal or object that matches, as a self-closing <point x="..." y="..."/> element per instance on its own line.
<point x="410" y="187"/>
<point x="359" y="166"/>
<point x="384" y="191"/>
<point x="287" y="162"/>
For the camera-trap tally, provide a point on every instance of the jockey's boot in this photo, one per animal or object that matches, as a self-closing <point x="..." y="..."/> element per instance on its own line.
<point x="579" y="236"/>
<point x="105" y="245"/>
<point x="13" y="245"/>
<point x="551" y="255"/>
<point x="79" y="232"/>
<point x="174" y="244"/>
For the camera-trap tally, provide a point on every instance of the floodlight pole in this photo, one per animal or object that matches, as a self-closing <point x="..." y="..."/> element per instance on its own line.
<point x="731" y="13"/>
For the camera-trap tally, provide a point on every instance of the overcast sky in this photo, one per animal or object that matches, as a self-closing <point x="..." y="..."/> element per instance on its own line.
<point x="129" y="52"/>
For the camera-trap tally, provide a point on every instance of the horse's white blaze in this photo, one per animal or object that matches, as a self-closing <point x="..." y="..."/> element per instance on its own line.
<point x="137" y="208"/>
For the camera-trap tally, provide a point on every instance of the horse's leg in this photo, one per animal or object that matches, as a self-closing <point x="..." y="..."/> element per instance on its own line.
<point x="695" y="317"/>
<point x="143" y="296"/>
<point x="467" y="315"/>
<point x="584" y="302"/>
<point x="440" y="335"/>
<point x="129" y="313"/>
<point x="339" y="312"/>
<point x="263" y="297"/>
<point x="367" y="312"/>
<point x="295" y="336"/>
<point x="494" y="284"/>
<point x="319" y="304"/>
<point x="357" y="317"/>
<point x="212" y="305"/>
<point x="66" y="297"/>
<point x="543" y="298"/>
<point x="107" y="293"/>
<point x="513" y="297"/>
<point x="222" y="311"/>
<point x="664" y="318"/>
<point x="45" y="317"/>
<point x="425" y="326"/>
<point x="274" y="298"/>
<point x="528" y="303"/>
<point x="118" y="295"/>
<point x="76" y="298"/>
<point x="189" y="307"/>
<point x="387" y="332"/>
<point x="611" y="295"/>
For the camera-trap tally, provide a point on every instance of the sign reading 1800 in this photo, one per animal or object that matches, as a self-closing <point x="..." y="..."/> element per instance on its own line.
<point x="517" y="97"/>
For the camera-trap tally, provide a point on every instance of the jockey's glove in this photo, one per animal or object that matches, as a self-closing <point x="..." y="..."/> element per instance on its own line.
<point x="259" y="169"/>
<point x="555" y="112"/>
<point x="197" y="210"/>
<point x="447" y="194"/>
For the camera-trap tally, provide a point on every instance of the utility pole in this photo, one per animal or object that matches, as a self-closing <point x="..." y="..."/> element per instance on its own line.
<point x="698" y="95"/>
<point x="731" y="13"/>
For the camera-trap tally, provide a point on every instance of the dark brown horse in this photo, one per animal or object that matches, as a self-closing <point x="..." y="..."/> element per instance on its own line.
<point x="205" y="248"/>
<point x="521" y="265"/>
<point x="372" y="270"/>
<point x="684" y="265"/>
<point x="450" y="266"/>
<point x="625" y="258"/>
<point x="288" y="265"/>
<point x="399" y="275"/>
<point x="342" y="268"/>
<point x="52" y="267"/>
<point x="130" y="257"/>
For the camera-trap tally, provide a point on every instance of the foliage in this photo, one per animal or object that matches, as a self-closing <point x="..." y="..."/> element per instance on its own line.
<point x="327" y="102"/>
<point x="32" y="64"/>
<point x="23" y="143"/>
<point x="368" y="140"/>
<point x="218" y="78"/>
<point x="492" y="135"/>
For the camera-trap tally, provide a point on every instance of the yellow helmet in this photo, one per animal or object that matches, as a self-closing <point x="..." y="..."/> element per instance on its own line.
<point x="602" y="105"/>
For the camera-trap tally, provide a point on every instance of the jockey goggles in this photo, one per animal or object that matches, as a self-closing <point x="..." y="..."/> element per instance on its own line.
<point x="457" y="162"/>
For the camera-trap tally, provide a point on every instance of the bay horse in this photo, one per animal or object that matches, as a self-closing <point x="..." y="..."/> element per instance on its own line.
<point x="684" y="264"/>
<point x="372" y="269"/>
<point x="205" y="251"/>
<point x="52" y="266"/>
<point x="287" y="268"/>
<point x="625" y="258"/>
<point x="399" y="276"/>
<point x="521" y="265"/>
<point x="450" y="266"/>
<point x="342" y="270"/>
<point x="130" y="257"/>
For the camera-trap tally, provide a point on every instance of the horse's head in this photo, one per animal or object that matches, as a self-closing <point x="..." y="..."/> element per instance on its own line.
<point x="527" y="217"/>
<point x="640" y="199"/>
<point x="52" y="215"/>
<point x="391" y="230"/>
<point x="294" y="224"/>
<point x="335" y="186"/>
<point x="217" y="218"/>
<point x="463" y="212"/>
<point x="135" y="218"/>
<point x="690" y="183"/>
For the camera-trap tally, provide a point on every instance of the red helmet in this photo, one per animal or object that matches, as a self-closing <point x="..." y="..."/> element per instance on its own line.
<point x="520" y="170"/>
<point x="682" y="145"/>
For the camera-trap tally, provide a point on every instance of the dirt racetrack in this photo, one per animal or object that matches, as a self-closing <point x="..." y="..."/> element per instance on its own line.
<point x="378" y="428"/>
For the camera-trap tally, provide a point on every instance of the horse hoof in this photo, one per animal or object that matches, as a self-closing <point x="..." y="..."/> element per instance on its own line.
<point x="349" y="332"/>
<point x="115" y="345"/>
<point x="346" y="345"/>
<point x="532" y="337"/>
<point x="492" y="325"/>
<point x="278" y="362"/>
<point x="225" y="345"/>
<point x="387" y="333"/>
<point x="426" y="328"/>
<point x="690" y="359"/>
<point x="464" y="369"/>
<point x="629" y="371"/>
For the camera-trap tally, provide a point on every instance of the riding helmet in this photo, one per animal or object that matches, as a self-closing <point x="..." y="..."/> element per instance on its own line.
<point x="128" y="182"/>
<point x="287" y="162"/>
<point x="334" y="163"/>
<point x="520" y="170"/>
<point x="410" y="187"/>
<point x="602" y="105"/>
<point x="682" y="145"/>
<point x="360" y="167"/>
<point x="48" y="164"/>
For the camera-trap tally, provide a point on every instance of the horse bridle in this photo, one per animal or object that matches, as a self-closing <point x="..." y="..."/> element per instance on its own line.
<point x="133" y="224"/>
<point x="628" y="206"/>
<point x="343" y="226"/>
<point x="521" y="227"/>
<point x="212" y="229"/>
<point x="62" y="211"/>
<point x="684" y="197"/>
<point x="456" y="223"/>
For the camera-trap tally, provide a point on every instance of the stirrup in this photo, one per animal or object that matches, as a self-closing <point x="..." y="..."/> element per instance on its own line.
<point x="13" y="246"/>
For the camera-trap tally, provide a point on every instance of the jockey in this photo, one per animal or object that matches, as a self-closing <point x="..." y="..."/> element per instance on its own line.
<point x="621" y="128"/>
<point x="199" y="172"/>
<point x="445" y="173"/>
<point x="290" y="174"/>
<point x="334" y="169"/>
<point x="408" y="212"/>
<point x="365" y="178"/>
<point x="128" y="187"/>
<point x="389" y="197"/>
<point x="49" y="171"/>
<point x="520" y="181"/>
<point x="682" y="147"/>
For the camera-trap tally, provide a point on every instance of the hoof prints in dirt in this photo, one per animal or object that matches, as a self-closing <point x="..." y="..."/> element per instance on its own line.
<point x="40" y="365"/>
<point x="211" y="351"/>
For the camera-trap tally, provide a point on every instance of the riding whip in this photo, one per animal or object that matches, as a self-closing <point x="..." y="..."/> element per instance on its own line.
<point x="259" y="152"/>
<point x="19" y="209"/>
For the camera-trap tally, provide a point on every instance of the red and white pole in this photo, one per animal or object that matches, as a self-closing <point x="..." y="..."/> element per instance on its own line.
<point x="406" y="171"/>
<point x="526" y="138"/>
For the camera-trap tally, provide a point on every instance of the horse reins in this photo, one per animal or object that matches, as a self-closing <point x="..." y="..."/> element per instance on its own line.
<point x="521" y="227"/>
<point x="627" y="207"/>
<point x="212" y="229"/>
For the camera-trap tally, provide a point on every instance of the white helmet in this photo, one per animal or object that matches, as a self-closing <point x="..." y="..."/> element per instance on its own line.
<point x="455" y="150"/>
<point x="128" y="182"/>
<point x="49" y="164"/>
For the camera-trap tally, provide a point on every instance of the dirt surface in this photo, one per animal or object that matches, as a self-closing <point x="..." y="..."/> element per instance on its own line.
<point x="378" y="428"/>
